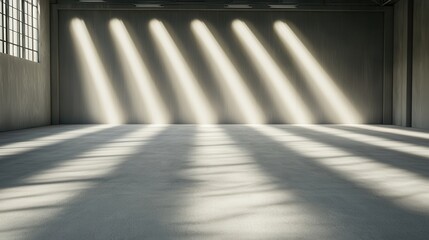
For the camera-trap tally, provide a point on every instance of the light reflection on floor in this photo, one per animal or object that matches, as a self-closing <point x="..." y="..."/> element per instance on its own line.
<point x="234" y="197"/>
<point x="402" y="187"/>
<point x="39" y="198"/>
<point x="214" y="182"/>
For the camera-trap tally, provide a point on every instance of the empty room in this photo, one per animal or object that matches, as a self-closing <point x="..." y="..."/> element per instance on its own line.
<point x="214" y="119"/>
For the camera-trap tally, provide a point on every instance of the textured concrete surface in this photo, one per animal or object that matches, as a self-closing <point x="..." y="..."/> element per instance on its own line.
<point x="25" y="85"/>
<point x="214" y="182"/>
<point x="348" y="45"/>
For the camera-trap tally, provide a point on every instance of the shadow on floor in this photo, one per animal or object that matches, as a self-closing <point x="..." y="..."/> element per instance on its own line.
<point x="139" y="199"/>
<point x="349" y="211"/>
<point x="409" y="162"/>
<point x="185" y="183"/>
<point x="15" y="168"/>
<point x="34" y="133"/>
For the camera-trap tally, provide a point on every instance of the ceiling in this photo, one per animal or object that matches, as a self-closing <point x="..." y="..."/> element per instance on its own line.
<point x="253" y="3"/>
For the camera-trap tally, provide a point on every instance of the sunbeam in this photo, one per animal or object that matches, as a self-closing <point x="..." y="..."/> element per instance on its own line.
<point x="322" y="84"/>
<point x="190" y="90"/>
<point x="149" y="95"/>
<point x="245" y="102"/>
<point x="289" y="102"/>
<point x="101" y="84"/>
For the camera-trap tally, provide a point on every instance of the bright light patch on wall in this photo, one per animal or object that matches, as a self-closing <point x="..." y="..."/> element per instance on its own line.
<point x="401" y="187"/>
<point x="101" y="84"/>
<point x="323" y="85"/>
<point x="190" y="89"/>
<point x="292" y="106"/>
<point x="148" y="95"/>
<point x="238" y="90"/>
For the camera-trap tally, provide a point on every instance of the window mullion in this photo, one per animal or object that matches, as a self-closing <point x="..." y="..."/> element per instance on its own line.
<point x="23" y="28"/>
<point x="7" y="26"/>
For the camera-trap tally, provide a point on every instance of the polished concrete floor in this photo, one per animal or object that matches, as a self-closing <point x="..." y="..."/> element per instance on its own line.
<point x="214" y="182"/>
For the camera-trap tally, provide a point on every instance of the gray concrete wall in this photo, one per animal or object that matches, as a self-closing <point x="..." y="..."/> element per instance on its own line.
<point x="347" y="44"/>
<point x="420" y="108"/>
<point x="401" y="64"/>
<point x="25" y="85"/>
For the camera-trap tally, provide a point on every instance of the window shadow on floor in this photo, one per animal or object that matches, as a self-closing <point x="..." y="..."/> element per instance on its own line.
<point x="30" y="134"/>
<point x="402" y="160"/>
<point x="139" y="199"/>
<point x="348" y="210"/>
<point x="15" y="168"/>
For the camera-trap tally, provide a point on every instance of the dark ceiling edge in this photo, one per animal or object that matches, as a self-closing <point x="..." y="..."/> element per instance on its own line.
<point x="106" y="7"/>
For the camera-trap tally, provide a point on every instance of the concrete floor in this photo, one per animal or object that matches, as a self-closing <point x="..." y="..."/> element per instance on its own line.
<point x="214" y="182"/>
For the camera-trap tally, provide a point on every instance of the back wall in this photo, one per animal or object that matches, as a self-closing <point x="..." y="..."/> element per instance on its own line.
<point x="220" y="66"/>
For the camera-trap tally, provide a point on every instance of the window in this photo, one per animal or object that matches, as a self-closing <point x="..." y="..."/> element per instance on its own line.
<point x="19" y="24"/>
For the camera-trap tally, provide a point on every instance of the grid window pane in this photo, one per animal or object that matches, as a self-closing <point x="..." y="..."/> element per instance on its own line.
<point x="19" y="26"/>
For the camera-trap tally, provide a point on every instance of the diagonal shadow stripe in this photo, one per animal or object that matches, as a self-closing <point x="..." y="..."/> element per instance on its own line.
<point x="139" y="199"/>
<point x="30" y="134"/>
<point x="409" y="162"/>
<point x="391" y="136"/>
<point x="15" y="168"/>
<point x="351" y="211"/>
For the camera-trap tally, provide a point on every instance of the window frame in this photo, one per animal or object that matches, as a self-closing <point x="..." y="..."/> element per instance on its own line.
<point x="20" y="27"/>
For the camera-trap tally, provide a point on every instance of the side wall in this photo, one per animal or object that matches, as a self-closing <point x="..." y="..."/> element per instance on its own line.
<point x="25" y="85"/>
<point x="402" y="64"/>
<point x="420" y="109"/>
